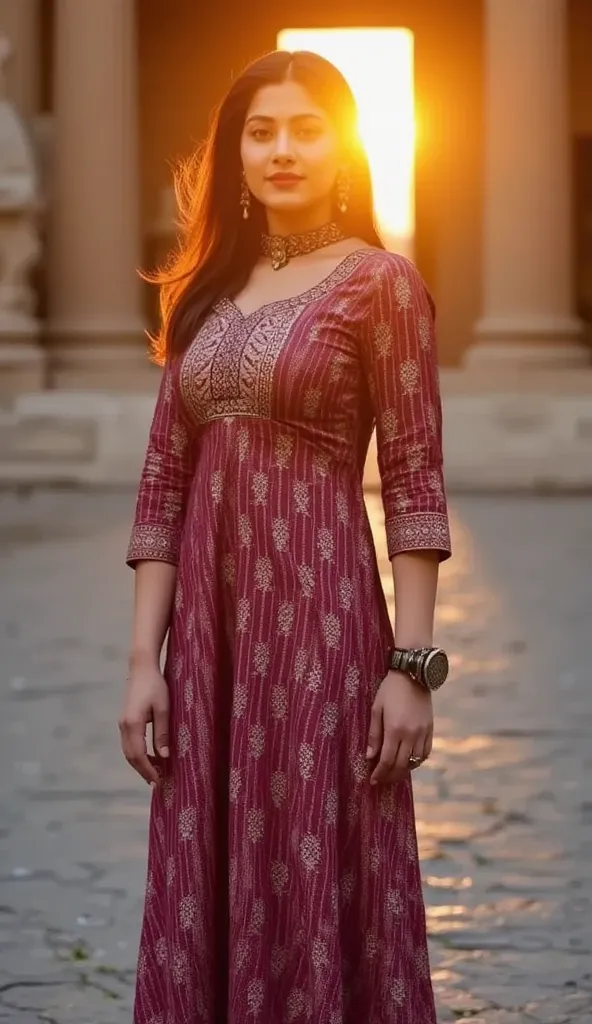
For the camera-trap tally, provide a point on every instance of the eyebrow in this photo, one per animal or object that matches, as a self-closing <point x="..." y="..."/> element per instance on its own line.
<point x="271" y="120"/>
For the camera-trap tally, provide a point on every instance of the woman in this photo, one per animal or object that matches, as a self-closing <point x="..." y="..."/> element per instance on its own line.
<point x="283" y="879"/>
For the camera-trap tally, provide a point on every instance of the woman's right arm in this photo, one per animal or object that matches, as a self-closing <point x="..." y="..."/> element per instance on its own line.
<point x="154" y="593"/>
<point x="147" y="699"/>
<point x="154" y="553"/>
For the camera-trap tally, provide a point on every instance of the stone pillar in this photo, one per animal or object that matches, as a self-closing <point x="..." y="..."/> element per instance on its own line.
<point x="22" y="361"/>
<point x="95" y="323"/>
<point x="19" y="22"/>
<point x="528" y="320"/>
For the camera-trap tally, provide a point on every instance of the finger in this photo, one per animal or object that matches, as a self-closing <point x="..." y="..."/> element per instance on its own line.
<point x="135" y="751"/>
<point x="156" y="762"/>
<point x="375" y="732"/>
<point x="406" y="749"/>
<point x="160" y="727"/>
<point x="423" y="747"/>
<point x="141" y="763"/>
<point x="401" y="767"/>
<point x="388" y="756"/>
<point x="144" y="768"/>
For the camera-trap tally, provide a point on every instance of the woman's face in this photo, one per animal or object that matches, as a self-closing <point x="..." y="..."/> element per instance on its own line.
<point x="289" y="150"/>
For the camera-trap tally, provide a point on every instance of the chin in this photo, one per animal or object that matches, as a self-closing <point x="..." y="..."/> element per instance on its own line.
<point x="288" y="203"/>
<point x="292" y="204"/>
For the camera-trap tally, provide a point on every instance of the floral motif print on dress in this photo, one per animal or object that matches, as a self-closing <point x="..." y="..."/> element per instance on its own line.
<point x="283" y="889"/>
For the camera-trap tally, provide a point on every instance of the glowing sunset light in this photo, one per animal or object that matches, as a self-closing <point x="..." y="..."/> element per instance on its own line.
<point x="378" y="64"/>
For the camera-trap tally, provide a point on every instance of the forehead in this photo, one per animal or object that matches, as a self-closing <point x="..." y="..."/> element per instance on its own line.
<point x="284" y="101"/>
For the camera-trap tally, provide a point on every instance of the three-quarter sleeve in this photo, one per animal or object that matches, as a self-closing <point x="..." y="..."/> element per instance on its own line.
<point x="165" y="481"/>
<point x="401" y="362"/>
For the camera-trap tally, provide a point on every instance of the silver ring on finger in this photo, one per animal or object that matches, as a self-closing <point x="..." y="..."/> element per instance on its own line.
<point x="415" y="761"/>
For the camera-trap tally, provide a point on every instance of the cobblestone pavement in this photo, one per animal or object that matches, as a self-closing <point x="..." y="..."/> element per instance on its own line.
<point x="504" y="806"/>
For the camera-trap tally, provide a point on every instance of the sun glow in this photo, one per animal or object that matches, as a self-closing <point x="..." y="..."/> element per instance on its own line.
<point x="378" y="64"/>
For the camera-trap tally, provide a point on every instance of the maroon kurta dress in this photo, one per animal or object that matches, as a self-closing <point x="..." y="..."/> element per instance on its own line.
<point x="283" y="888"/>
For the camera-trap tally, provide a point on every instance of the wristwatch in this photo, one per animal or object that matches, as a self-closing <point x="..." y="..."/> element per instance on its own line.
<point x="425" y="665"/>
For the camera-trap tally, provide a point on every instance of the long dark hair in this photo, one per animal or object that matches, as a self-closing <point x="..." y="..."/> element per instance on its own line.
<point x="218" y="249"/>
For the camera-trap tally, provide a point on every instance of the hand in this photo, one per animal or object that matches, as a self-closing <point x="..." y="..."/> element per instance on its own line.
<point x="146" y="700"/>
<point x="402" y="724"/>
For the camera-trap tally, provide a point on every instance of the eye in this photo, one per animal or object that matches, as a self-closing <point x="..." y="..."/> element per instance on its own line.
<point x="309" y="132"/>
<point x="260" y="134"/>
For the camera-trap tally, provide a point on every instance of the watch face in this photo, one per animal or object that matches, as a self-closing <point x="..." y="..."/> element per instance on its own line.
<point x="436" y="669"/>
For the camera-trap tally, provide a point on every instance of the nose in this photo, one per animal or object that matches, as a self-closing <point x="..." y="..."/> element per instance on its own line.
<point x="283" y="154"/>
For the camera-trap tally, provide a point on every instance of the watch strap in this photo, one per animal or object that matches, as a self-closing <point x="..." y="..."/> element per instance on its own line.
<point x="410" y="661"/>
<point x="427" y="666"/>
<point x="404" y="660"/>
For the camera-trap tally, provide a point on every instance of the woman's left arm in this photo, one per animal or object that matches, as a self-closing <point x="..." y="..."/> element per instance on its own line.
<point x="402" y="370"/>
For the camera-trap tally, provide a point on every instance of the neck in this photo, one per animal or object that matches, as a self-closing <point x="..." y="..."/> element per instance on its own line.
<point x="299" y="222"/>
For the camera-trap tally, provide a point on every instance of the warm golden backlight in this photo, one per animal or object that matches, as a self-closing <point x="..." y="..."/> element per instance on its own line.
<point x="378" y="64"/>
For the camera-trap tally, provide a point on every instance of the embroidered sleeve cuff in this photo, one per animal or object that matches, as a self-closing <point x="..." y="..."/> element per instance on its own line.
<point x="418" y="531"/>
<point x="152" y="543"/>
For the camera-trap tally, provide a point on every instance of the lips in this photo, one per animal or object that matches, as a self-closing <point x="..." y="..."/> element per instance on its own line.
<point x="285" y="179"/>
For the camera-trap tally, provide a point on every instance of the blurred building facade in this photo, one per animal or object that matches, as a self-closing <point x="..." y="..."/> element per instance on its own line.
<point x="110" y="92"/>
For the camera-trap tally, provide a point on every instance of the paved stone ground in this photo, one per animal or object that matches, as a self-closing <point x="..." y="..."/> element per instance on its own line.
<point x="504" y="807"/>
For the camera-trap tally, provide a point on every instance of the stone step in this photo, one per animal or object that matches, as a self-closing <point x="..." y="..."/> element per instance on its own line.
<point x="493" y="441"/>
<point x="85" y="438"/>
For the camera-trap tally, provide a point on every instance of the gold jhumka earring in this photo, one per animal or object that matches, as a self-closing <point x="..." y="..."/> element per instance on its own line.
<point x="343" y="191"/>
<point x="245" y="198"/>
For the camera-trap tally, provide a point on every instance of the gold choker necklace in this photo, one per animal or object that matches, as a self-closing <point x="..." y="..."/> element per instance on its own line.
<point x="282" y="248"/>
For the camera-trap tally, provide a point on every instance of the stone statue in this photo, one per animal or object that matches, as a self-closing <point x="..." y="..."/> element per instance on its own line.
<point x="19" y="207"/>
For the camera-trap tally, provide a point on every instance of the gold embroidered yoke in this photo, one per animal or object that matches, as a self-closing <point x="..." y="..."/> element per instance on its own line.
<point x="306" y="378"/>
